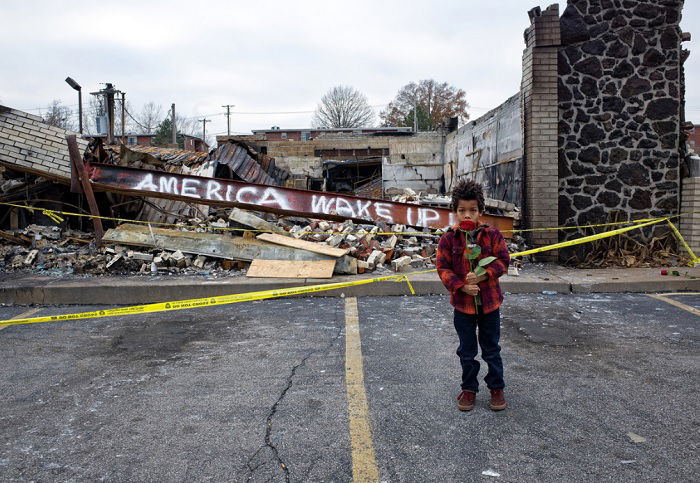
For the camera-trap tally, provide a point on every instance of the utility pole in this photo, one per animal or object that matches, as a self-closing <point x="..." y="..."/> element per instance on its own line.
<point x="228" y="118"/>
<point x="415" y="116"/>
<point x="174" y="128"/>
<point x="109" y="93"/>
<point x="123" y="117"/>
<point x="204" y="128"/>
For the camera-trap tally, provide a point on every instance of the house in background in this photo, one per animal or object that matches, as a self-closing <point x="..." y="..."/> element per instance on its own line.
<point x="190" y="143"/>
<point x="694" y="138"/>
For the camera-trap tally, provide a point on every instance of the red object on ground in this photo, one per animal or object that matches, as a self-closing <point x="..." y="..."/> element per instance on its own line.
<point x="664" y="272"/>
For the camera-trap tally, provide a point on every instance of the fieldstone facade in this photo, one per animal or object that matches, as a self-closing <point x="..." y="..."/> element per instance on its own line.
<point x="620" y="113"/>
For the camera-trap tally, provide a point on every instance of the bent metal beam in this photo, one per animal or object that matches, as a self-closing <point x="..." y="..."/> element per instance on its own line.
<point x="275" y="199"/>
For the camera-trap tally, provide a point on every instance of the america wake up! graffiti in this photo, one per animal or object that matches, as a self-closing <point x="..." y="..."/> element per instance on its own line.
<point x="224" y="192"/>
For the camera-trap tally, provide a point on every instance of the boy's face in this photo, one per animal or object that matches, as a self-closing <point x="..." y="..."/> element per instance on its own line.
<point x="468" y="210"/>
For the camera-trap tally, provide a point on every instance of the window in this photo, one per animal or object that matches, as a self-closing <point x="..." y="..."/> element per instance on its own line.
<point x="132" y="140"/>
<point x="305" y="135"/>
<point x="284" y="135"/>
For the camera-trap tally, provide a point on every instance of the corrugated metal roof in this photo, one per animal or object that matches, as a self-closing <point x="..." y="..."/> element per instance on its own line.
<point x="243" y="163"/>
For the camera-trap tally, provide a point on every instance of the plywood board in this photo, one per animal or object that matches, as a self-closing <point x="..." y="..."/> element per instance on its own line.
<point x="291" y="269"/>
<point x="303" y="244"/>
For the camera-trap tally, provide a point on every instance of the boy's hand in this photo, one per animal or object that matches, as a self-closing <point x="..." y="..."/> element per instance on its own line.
<point x="473" y="279"/>
<point x="470" y="289"/>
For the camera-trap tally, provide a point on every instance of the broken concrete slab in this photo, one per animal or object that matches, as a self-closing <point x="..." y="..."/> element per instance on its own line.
<point x="219" y="246"/>
<point x="245" y="217"/>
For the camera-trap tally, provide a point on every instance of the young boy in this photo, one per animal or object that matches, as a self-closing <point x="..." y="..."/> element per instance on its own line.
<point x="476" y="299"/>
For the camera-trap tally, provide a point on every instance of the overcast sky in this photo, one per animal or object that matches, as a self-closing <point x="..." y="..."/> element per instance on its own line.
<point x="273" y="59"/>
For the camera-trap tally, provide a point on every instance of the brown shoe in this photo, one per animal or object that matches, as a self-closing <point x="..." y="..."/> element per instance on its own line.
<point x="498" y="401"/>
<point x="465" y="400"/>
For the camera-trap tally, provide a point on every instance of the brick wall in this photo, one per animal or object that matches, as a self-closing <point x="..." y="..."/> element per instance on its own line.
<point x="540" y="126"/>
<point x="690" y="224"/>
<point x="30" y="145"/>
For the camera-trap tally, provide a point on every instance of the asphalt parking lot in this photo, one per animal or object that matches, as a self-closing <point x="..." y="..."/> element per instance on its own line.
<point x="600" y="387"/>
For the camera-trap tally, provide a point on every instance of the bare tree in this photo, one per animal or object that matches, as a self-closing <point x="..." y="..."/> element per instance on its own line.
<point x="59" y="115"/>
<point x="343" y="106"/>
<point x="150" y="117"/>
<point x="432" y="101"/>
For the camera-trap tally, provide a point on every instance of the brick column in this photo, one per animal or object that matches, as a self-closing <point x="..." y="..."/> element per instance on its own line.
<point x="540" y="127"/>
<point x="690" y="224"/>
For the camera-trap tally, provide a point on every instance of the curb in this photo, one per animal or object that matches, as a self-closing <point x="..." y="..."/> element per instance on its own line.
<point x="142" y="290"/>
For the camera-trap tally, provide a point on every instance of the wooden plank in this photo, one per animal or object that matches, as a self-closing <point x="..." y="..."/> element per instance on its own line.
<point x="291" y="269"/>
<point x="13" y="239"/>
<point x="218" y="246"/>
<point x="303" y="244"/>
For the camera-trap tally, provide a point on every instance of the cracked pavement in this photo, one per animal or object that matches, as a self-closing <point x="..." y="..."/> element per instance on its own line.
<point x="256" y="392"/>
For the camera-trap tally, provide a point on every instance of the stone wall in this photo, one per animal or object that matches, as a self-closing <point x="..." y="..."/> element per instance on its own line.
<point x="489" y="150"/>
<point x="619" y="89"/>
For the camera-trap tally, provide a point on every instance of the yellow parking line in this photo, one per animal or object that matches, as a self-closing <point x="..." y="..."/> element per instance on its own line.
<point x="675" y="303"/>
<point x="364" y="464"/>
<point x="23" y="315"/>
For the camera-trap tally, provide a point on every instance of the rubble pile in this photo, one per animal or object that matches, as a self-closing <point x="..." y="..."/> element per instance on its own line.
<point x="375" y="247"/>
<point x="397" y="247"/>
<point x="52" y="250"/>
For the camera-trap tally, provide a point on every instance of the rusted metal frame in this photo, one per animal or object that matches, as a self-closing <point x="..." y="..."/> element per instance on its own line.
<point x="81" y="172"/>
<point x="275" y="199"/>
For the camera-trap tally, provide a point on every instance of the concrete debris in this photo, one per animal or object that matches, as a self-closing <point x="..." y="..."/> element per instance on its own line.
<point x="63" y="251"/>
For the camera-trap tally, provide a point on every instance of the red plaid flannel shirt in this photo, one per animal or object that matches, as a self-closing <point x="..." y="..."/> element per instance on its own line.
<point x="453" y="268"/>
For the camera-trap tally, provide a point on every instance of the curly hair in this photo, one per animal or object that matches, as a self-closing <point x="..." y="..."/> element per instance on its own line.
<point x="468" y="190"/>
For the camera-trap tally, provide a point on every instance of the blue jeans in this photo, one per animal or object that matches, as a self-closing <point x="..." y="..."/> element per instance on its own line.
<point x="489" y="333"/>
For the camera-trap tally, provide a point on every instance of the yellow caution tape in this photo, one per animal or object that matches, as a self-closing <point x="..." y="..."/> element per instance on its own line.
<point x="586" y="239"/>
<point x="205" y="301"/>
<point x="268" y="294"/>
<point x="693" y="258"/>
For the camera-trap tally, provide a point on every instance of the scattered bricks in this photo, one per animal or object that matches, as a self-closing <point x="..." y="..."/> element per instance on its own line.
<point x="227" y="264"/>
<point x="413" y="241"/>
<point x="324" y="225"/>
<point x="297" y="231"/>
<point x="113" y="262"/>
<point x="336" y="239"/>
<point x="372" y="233"/>
<point x="375" y="244"/>
<point x="410" y="251"/>
<point x="220" y="223"/>
<point x="31" y="256"/>
<point x="513" y="271"/>
<point x="362" y="266"/>
<point x="140" y="256"/>
<point x="400" y="262"/>
<point x="390" y="242"/>
<point x="374" y="258"/>
<point x="144" y="267"/>
<point x="109" y="250"/>
<point x="351" y="239"/>
<point x="157" y="262"/>
<point x="428" y="250"/>
<point x="361" y="234"/>
<point x="398" y="228"/>
<point x="179" y="259"/>
<point x="199" y="261"/>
